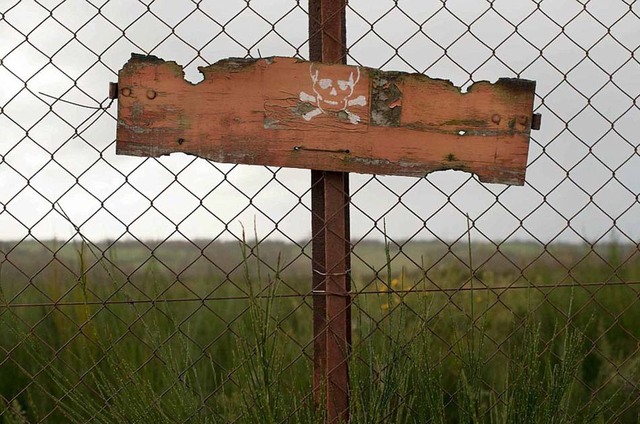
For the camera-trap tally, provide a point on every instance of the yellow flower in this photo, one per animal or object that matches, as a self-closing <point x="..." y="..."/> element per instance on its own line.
<point x="394" y="283"/>
<point x="384" y="306"/>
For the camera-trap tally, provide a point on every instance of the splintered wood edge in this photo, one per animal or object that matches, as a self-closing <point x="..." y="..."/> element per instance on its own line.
<point x="237" y="64"/>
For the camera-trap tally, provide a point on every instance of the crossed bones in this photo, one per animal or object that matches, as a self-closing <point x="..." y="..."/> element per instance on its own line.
<point x="326" y="84"/>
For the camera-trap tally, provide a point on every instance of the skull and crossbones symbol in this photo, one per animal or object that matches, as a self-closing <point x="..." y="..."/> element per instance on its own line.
<point x="333" y="95"/>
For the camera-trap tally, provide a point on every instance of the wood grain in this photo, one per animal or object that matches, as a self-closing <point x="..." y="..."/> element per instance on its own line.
<point x="287" y="112"/>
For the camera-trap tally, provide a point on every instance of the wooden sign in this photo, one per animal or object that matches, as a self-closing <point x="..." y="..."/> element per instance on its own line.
<point x="287" y="112"/>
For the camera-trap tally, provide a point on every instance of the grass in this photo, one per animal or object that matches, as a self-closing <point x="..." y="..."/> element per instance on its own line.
<point x="158" y="353"/>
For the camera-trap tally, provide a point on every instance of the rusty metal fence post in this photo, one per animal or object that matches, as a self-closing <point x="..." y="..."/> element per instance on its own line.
<point x="331" y="240"/>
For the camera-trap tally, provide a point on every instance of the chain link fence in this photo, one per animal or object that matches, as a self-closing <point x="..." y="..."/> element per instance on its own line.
<point x="179" y="290"/>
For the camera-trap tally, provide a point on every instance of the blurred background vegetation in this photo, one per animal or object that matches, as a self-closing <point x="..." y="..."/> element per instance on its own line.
<point x="217" y="332"/>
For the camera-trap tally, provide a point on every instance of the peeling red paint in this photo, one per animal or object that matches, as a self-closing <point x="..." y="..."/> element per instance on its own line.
<point x="258" y="111"/>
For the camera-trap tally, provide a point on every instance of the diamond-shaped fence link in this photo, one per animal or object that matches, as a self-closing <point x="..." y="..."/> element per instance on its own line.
<point x="179" y="290"/>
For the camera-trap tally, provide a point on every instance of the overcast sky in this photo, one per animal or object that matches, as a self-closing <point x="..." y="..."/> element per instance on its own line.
<point x="583" y="177"/>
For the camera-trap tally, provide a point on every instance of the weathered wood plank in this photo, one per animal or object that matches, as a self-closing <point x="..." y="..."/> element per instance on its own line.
<point x="287" y="112"/>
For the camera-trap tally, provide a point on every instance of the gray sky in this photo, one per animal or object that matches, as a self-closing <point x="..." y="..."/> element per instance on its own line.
<point x="584" y="167"/>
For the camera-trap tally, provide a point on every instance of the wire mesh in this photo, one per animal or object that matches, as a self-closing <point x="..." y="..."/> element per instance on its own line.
<point x="156" y="289"/>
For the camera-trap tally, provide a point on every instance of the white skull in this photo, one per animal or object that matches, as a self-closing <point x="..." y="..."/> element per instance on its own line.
<point x="333" y="94"/>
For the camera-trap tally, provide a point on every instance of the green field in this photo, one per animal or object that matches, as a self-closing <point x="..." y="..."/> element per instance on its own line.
<point x="221" y="332"/>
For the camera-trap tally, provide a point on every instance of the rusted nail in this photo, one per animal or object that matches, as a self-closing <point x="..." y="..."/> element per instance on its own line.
<point x="536" y="121"/>
<point x="113" y="90"/>
<point x="496" y="118"/>
<point x="180" y="141"/>
<point x="125" y="92"/>
<point x="151" y="94"/>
